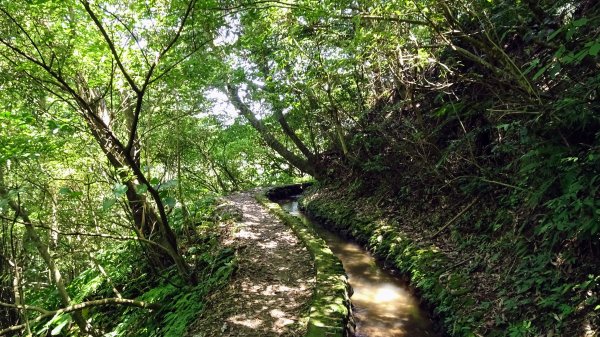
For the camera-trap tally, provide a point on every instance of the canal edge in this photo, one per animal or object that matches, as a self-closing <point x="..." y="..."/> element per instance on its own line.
<point x="330" y="313"/>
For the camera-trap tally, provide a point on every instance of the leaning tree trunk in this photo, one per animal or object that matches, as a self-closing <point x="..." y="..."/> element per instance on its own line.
<point x="150" y="221"/>
<point x="303" y="164"/>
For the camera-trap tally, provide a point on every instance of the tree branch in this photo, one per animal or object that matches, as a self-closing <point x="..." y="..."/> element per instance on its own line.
<point x="24" y="32"/>
<point x="269" y="3"/>
<point x="135" y="38"/>
<point x="176" y="63"/>
<point x="111" y="45"/>
<point x="454" y="218"/>
<point x="301" y="163"/>
<point x="147" y="80"/>
<point x="25" y="307"/>
<point x="188" y="11"/>
<point x="396" y="19"/>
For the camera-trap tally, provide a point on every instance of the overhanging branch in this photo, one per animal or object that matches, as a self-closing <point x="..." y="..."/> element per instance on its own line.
<point x="110" y="44"/>
<point x="148" y="78"/>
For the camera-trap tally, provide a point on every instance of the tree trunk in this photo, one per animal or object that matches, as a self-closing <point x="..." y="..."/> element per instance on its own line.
<point x="18" y="291"/>
<point x="150" y="224"/>
<point x="302" y="164"/>
<point x="263" y="65"/>
<point x="292" y="135"/>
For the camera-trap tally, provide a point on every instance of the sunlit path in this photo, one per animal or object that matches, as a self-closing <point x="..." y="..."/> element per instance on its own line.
<point x="274" y="281"/>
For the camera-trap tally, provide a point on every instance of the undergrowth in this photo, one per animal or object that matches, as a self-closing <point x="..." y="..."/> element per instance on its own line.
<point x="122" y="271"/>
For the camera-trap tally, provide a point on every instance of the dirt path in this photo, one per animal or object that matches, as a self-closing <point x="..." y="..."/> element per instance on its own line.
<point x="274" y="282"/>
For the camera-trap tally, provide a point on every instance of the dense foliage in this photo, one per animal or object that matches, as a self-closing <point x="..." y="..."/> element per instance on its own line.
<point x="120" y="121"/>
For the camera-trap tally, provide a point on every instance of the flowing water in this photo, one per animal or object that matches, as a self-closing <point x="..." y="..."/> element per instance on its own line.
<point x="383" y="304"/>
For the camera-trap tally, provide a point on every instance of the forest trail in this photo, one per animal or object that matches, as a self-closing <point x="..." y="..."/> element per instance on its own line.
<point x="270" y="290"/>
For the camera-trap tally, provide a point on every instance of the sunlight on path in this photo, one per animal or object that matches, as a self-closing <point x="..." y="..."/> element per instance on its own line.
<point x="272" y="285"/>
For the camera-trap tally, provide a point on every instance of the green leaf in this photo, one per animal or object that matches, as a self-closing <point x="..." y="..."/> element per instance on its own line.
<point x="65" y="191"/>
<point x="168" y="184"/>
<point x="107" y="203"/>
<point x="533" y="64"/>
<point x="594" y="49"/>
<point x="554" y="34"/>
<point x="68" y="192"/>
<point x="58" y="328"/>
<point x="119" y="190"/>
<point x="169" y="201"/>
<point x="63" y="321"/>
<point x="441" y="112"/>
<point x="141" y="189"/>
<point x="3" y="205"/>
<point x="541" y="72"/>
<point x="580" y="22"/>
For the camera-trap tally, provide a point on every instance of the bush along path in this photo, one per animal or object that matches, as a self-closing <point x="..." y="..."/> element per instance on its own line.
<point x="271" y="289"/>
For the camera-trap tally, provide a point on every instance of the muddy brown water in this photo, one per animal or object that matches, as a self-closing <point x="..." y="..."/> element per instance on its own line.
<point x="383" y="304"/>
